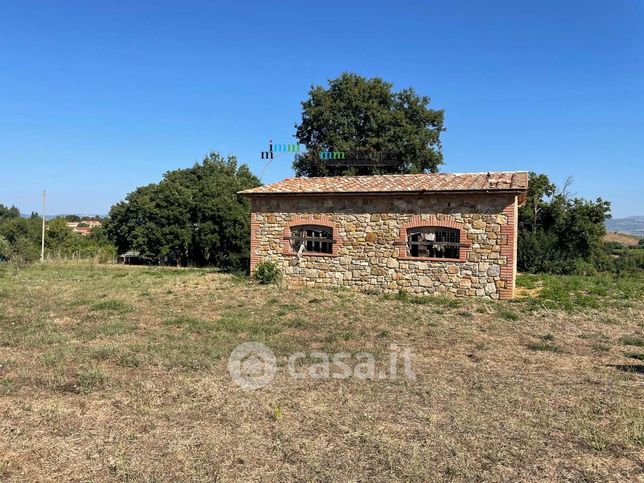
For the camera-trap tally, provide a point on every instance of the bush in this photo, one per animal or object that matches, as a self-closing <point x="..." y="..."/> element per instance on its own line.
<point x="267" y="272"/>
<point x="5" y="249"/>
<point x="24" y="251"/>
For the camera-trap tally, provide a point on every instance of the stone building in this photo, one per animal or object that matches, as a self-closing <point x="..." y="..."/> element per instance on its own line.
<point x="423" y="233"/>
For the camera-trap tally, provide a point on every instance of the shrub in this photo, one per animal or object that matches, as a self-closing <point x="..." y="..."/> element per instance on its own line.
<point x="544" y="347"/>
<point x="267" y="272"/>
<point x="507" y="314"/>
<point x="5" y="249"/>
<point x="24" y="251"/>
<point x="402" y="295"/>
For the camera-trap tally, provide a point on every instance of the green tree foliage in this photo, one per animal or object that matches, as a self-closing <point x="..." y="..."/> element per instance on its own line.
<point x="5" y="249"/>
<point x="192" y="217"/>
<point x="21" y="239"/>
<point x="7" y="213"/>
<point x="365" y="119"/>
<point x="59" y="236"/>
<point x="560" y="234"/>
<point x="14" y="229"/>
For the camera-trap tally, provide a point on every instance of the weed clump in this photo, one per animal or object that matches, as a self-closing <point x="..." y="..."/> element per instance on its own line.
<point x="267" y="273"/>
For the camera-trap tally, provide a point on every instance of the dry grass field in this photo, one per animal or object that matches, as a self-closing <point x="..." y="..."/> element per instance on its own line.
<point x="622" y="238"/>
<point x="112" y="373"/>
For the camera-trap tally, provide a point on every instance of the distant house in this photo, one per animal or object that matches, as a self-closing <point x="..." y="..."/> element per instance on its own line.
<point x="83" y="227"/>
<point x="422" y="233"/>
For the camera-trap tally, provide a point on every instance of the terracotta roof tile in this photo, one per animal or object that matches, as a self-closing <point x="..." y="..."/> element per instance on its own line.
<point x="394" y="183"/>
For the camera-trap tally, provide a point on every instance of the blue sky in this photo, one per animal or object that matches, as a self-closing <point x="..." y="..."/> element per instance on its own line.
<point x="97" y="98"/>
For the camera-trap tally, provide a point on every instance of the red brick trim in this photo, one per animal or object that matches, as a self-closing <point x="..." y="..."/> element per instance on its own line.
<point x="311" y="219"/>
<point x="508" y="250"/>
<point x="442" y="221"/>
<point x="254" y="242"/>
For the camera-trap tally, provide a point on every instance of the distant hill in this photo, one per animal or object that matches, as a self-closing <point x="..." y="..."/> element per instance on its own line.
<point x="622" y="238"/>
<point x="633" y="225"/>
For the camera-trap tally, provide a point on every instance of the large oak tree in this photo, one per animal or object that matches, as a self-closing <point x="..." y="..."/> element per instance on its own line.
<point x="366" y="120"/>
<point x="192" y="216"/>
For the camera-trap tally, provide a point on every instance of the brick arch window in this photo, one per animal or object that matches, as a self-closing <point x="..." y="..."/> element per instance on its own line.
<point x="311" y="235"/>
<point x="433" y="238"/>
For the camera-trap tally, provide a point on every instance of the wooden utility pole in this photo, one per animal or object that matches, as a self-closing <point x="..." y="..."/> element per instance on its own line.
<point x="42" y="241"/>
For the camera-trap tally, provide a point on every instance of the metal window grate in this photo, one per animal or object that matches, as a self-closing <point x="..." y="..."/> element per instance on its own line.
<point x="316" y="239"/>
<point x="433" y="242"/>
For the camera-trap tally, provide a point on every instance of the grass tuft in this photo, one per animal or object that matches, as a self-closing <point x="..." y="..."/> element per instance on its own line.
<point x="90" y="378"/>
<point x="113" y="306"/>
<point x="507" y="313"/>
<point x="544" y="347"/>
<point x="632" y="340"/>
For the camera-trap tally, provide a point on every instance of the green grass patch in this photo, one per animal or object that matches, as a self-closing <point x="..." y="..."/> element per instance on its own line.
<point x="56" y="357"/>
<point x="89" y="378"/>
<point x="403" y="296"/>
<point x="113" y="306"/>
<point x="544" y="347"/>
<point x="632" y="340"/>
<point x="600" y="347"/>
<point x="230" y="323"/>
<point x="287" y="309"/>
<point x="595" y="440"/>
<point x="634" y="355"/>
<point x="104" y="352"/>
<point x="507" y="313"/>
<point x="36" y="333"/>
<point x="115" y="328"/>
<point x="296" y="323"/>
<point x="192" y="324"/>
<point x="130" y="359"/>
<point x="7" y="386"/>
<point x="579" y="292"/>
<point x="437" y="301"/>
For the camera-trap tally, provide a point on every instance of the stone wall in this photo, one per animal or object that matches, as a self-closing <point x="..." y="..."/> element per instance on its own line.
<point x="370" y="252"/>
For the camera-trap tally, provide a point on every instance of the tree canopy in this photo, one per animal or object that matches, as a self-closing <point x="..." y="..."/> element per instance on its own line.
<point x="559" y="233"/>
<point x="6" y="212"/>
<point x="366" y="120"/>
<point x="192" y="217"/>
<point x="20" y="240"/>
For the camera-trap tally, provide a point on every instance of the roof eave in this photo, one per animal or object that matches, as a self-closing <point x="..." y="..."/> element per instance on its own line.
<point x="515" y="191"/>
